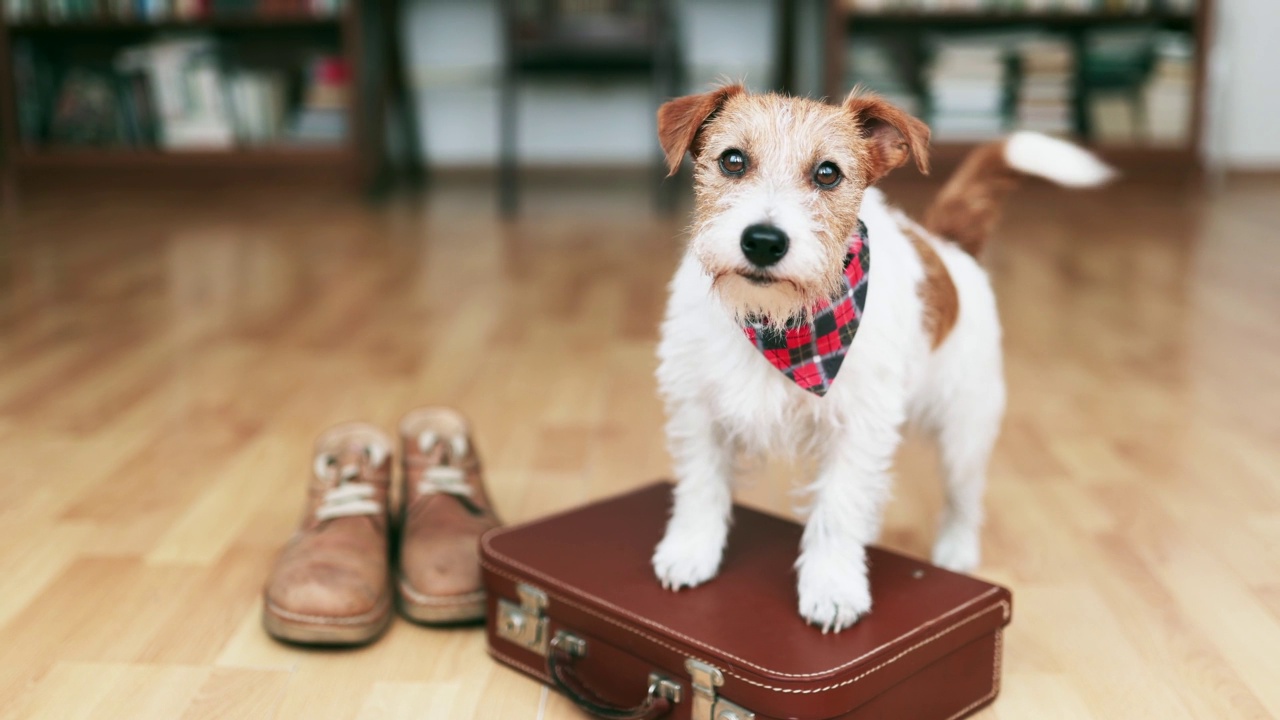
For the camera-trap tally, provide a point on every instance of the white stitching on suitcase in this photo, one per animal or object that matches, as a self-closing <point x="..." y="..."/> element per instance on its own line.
<point x="995" y="674"/>
<point x="1003" y="606"/>
<point x="893" y="659"/>
<point x="995" y="681"/>
<point x="691" y="641"/>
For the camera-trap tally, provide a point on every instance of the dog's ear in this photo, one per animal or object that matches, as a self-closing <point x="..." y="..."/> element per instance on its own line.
<point x="680" y="120"/>
<point x="894" y="136"/>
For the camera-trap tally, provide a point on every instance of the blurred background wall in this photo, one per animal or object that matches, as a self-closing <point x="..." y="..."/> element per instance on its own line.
<point x="1244" y="87"/>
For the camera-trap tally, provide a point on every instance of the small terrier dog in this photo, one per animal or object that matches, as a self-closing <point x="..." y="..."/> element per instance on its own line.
<point x="782" y="187"/>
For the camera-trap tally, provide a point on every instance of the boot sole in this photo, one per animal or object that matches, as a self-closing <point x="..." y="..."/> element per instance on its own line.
<point x="313" y="630"/>
<point x="440" y="609"/>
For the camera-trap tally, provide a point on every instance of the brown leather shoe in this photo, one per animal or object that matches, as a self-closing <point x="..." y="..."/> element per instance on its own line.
<point x="330" y="585"/>
<point x="444" y="511"/>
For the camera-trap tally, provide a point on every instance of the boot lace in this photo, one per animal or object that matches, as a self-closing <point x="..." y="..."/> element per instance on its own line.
<point x="348" y="496"/>
<point x="444" y="479"/>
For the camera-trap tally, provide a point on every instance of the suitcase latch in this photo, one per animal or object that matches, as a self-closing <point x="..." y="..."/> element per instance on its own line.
<point x="524" y="624"/>
<point x="706" y="706"/>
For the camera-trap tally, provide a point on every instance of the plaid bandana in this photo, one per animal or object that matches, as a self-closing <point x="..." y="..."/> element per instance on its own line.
<point x="810" y="352"/>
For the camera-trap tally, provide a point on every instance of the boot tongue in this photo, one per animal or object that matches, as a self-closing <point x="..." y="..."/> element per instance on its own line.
<point x="345" y="463"/>
<point x="442" y="450"/>
<point x="352" y="459"/>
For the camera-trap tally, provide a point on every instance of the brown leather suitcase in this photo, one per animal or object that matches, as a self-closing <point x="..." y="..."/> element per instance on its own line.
<point x="574" y="603"/>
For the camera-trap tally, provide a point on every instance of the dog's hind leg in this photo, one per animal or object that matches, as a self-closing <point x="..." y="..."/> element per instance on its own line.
<point x="966" y="431"/>
<point x="691" y="549"/>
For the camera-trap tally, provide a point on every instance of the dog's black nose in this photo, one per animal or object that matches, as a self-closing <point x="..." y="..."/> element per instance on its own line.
<point x="764" y="245"/>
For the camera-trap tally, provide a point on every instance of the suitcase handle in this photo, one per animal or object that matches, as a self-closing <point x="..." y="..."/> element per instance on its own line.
<point x="564" y="650"/>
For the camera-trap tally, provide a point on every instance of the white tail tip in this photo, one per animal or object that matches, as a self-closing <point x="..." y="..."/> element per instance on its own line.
<point x="1055" y="160"/>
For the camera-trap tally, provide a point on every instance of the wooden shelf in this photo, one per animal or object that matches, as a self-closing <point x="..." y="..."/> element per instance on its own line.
<point x="948" y="152"/>
<point x="1052" y="19"/>
<point x="228" y="22"/>
<point x="1131" y="162"/>
<point x="148" y="158"/>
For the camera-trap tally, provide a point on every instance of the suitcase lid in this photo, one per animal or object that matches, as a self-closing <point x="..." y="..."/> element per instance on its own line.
<point x="745" y="621"/>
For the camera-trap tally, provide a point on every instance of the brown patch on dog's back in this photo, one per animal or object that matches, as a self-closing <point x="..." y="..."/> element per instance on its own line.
<point x="937" y="290"/>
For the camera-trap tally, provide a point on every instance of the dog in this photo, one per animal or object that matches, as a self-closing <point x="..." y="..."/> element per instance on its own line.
<point x="783" y="186"/>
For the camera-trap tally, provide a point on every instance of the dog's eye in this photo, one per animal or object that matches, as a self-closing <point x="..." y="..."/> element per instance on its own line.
<point x="733" y="162"/>
<point x="827" y="175"/>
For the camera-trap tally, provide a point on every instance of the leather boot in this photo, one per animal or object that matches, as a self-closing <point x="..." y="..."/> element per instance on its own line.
<point x="330" y="585"/>
<point x="445" y="509"/>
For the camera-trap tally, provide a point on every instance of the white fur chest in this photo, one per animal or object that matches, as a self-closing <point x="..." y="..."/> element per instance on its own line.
<point x="706" y="359"/>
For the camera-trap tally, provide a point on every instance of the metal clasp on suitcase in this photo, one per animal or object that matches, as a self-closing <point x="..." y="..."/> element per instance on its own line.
<point x="524" y="624"/>
<point x="706" y="706"/>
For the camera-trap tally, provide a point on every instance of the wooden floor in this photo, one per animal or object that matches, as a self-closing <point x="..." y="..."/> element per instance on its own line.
<point x="166" y="359"/>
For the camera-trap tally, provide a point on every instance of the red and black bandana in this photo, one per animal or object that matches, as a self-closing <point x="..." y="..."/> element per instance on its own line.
<point x="810" y="351"/>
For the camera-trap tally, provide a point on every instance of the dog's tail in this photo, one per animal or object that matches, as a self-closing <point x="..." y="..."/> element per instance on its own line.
<point x="967" y="209"/>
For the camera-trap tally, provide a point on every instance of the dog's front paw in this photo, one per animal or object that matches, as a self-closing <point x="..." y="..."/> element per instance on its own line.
<point x="833" y="588"/>
<point x="685" y="560"/>
<point x="957" y="548"/>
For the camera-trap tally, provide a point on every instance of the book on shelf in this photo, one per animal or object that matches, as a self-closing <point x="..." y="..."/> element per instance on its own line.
<point x="1141" y="87"/>
<point x="58" y="11"/>
<point x="322" y="117"/>
<point x="257" y="102"/>
<point x="187" y="91"/>
<point x="1169" y="93"/>
<point x="968" y="87"/>
<point x="85" y="112"/>
<point x="177" y="93"/>
<point x="1114" y="119"/>
<point x="873" y="64"/>
<point x="1045" y="88"/>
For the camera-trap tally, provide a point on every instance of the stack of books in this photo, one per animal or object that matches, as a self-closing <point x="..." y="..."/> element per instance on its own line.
<point x="322" y="119"/>
<point x="258" y="103"/>
<point x="1140" y="87"/>
<point x="872" y="65"/>
<point x="1168" y="94"/>
<point x="184" y="99"/>
<point x="174" y="93"/>
<point x="1045" y="85"/>
<point x="967" y="88"/>
<point x="1115" y="65"/>
<point x="142" y="10"/>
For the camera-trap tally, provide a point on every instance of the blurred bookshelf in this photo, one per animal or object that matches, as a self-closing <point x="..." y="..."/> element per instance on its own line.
<point x="181" y="85"/>
<point x="1122" y="76"/>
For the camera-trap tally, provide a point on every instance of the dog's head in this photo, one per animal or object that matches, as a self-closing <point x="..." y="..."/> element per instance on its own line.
<point x="778" y="185"/>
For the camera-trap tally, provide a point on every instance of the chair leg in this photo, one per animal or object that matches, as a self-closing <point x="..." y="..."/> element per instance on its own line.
<point x="666" y="72"/>
<point x="372" y="96"/>
<point x="405" y="101"/>
<point x="508" y="201"/>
